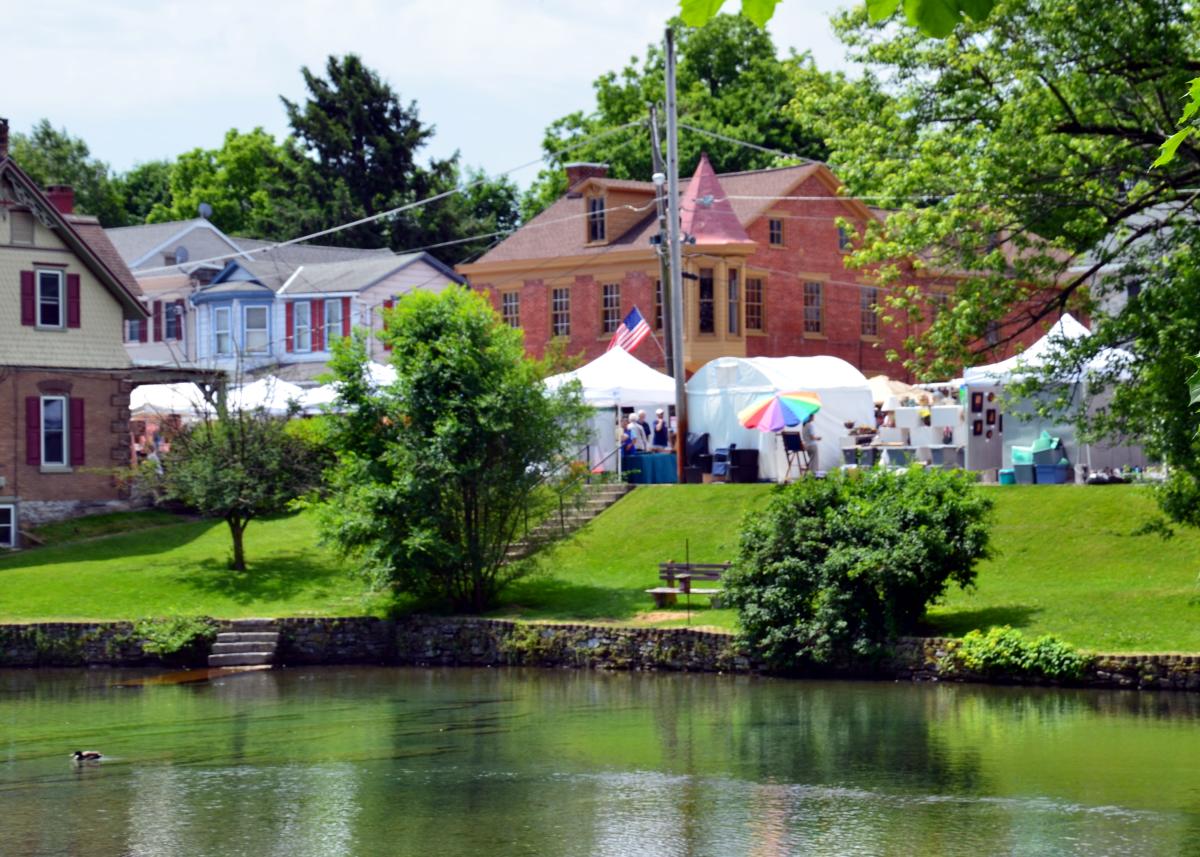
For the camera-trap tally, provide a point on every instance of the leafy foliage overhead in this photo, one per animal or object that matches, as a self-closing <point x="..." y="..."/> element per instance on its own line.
<point x="934" y="17"/>
<point x="730" y="81"/>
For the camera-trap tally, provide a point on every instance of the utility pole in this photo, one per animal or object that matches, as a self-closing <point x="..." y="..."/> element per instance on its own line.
<point x="674" y="241"/>
<point x="660" y="201"/>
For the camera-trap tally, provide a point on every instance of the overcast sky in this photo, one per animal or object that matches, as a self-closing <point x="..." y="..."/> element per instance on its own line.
<point x="140" y="80"/>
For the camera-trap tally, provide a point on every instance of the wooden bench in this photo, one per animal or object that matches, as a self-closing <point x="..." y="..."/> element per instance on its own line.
<point x="679" y="577"/>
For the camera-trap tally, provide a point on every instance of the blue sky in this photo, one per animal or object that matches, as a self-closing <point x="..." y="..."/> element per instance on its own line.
<point x="142" y="80"/>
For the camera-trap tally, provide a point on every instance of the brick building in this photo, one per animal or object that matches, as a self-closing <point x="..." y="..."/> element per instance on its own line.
<point x="765" y="275"/>
<point x="64" y="372"/>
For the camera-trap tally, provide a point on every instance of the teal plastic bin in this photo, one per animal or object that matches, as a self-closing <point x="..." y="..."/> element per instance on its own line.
<point x="1008" y="476"/>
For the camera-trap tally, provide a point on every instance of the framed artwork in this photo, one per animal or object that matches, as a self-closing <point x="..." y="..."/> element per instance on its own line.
<point x="977" y="428"/>
<point x="991" y="416"/>
<point x="976" y="403"/>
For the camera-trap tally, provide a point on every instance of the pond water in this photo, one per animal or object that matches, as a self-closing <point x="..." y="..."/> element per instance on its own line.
<point x="366" y="761"/>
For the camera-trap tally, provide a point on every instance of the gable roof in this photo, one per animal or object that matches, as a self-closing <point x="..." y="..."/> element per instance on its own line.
<point x="306" y="254"/>
<point x="139" y="245"/>
<point x="558" y="230"/>
<point x="85" y="236"/>
<point x="354" y="276"/>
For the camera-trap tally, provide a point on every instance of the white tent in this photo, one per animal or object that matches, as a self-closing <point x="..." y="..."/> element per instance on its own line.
<point x="1064" y="332"/>
<point x="616" y="377"/>
<point x="724" y="386"/>
<point x="317" y="400"/>
<point x="159" y="400"/>
<point x="274" y="395"/>
<point x="613" y="379"/>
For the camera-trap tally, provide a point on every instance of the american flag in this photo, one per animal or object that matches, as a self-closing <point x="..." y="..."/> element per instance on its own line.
<point x="631" y="332"/>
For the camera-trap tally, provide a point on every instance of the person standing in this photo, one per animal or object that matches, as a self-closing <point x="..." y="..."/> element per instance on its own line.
<point x="641" y="418"/>
<point x="809" y="437"/>
<point x="641" y="440"/>
<point x="660" y="436"/>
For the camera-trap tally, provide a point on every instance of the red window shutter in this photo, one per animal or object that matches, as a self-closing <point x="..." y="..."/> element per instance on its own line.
<point x="73" y="315"/>
<point x="76" y="430"/>
<point x="28" y="303"/>
<point x="33" y="431"/>
<point x="158" y="321"/>
<point x="179" y="321"/>
<point x="289" y="312"/>
<point x="388" y="304"/>
<point x="345" y="316"/>
<point x="143" y="329"/>
<point x="318" y="325"/>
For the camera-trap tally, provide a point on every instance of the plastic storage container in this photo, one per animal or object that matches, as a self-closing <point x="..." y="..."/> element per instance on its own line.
<point x="1052" y="474"/>
<point x="1024" y="474"/>
<point x="1008" y="476"/>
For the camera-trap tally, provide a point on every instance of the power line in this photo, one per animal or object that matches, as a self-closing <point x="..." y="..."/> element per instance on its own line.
<point x="402" y="208"/>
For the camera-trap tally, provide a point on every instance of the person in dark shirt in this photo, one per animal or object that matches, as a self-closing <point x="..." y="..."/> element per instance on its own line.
<point x="660" y="434"/>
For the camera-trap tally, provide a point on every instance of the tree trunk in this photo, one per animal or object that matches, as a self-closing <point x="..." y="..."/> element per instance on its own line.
<point x="236" y="529"/>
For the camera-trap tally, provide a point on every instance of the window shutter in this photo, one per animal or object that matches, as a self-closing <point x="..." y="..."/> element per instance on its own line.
<point x="318" y="325"/>
<point x="73" y="315"/>
<point x="158" y="321"/>
<point x="387" y="305"/>
<point x="143" y="329"/>
<point x="345" y="316"/>
<point x="28" y="305"/>
<point x="76" y="429"/>
<point x="33" y="431"/>
<point x="289" y="311"/>
<point x="178" y="321"/>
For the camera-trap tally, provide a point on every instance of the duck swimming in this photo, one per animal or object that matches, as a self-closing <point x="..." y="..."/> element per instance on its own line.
<point x="86" y="756"/>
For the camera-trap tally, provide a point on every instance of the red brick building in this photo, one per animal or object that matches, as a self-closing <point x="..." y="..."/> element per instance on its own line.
<point x="64" y="372"/>
<point x="765" y="275"/>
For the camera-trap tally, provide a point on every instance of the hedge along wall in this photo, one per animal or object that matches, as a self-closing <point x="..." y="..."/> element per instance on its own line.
<point x="425" y="640"/>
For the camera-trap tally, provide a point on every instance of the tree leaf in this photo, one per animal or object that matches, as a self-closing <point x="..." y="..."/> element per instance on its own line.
<point x="976" y="10"/>
<point x="880" y="10"/>
<point x="936" y="18"/>
<point x="697" y="13"/>
<point x="1189" y="109"/>
<point x="759" y="11"/>
<point x="1170" y="145"/>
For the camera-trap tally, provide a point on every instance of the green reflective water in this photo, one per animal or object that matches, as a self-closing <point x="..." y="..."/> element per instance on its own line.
<point x="496" y="762"/>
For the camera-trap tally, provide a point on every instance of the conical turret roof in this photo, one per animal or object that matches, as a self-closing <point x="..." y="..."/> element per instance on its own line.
<point x="706" y="214"/>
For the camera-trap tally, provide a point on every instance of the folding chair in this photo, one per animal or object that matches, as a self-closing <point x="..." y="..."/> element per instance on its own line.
<point x="797" y="455"/>
<point x="720" y="462"/>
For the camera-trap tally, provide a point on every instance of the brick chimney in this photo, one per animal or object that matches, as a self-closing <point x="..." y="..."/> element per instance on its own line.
<point x="3" y="138"/>
<point x="62" y="197"/>
<point x="578" y="172"/>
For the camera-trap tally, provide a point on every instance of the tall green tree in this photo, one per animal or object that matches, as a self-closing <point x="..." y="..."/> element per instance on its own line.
<point x="438" y="474"/>
<point x="730" y="81"/>
<point x="146" y="185"/>
<point x="254" y="185"/>
<point x="1014" y="156"/>
<point x="53" y="156"/>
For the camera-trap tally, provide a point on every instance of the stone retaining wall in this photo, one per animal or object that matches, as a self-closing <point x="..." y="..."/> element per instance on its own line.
<point x="426" y="640"/>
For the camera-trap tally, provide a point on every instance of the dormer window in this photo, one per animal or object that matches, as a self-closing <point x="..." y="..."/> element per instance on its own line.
<point x="595" y="219"/>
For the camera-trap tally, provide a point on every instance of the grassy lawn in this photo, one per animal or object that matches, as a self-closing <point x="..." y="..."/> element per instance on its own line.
<point x="1066" y="562"/>
<point x="179" y="569"/>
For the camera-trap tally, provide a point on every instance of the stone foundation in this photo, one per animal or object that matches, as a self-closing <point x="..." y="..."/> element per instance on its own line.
<point x="429" y="641"/>
<point x="34" y="512"/>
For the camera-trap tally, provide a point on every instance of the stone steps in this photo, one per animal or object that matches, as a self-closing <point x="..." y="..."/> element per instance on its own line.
<point x="599" y="498"/>
<point x="246" y="642"/>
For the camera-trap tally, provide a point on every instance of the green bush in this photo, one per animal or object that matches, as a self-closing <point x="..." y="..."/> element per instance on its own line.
<point x="181" y="640"/>
<point x="836" y="568"/>
<point x="1004" y="651"/>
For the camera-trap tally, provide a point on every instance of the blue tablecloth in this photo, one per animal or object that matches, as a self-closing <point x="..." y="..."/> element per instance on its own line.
<point x="650" y="468"/>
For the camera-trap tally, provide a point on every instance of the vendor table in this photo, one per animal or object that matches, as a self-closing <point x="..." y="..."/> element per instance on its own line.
<point x="650" y="468"/>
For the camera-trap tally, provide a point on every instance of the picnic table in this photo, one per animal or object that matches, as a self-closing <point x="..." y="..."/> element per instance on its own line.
<point x="678" y="578"/>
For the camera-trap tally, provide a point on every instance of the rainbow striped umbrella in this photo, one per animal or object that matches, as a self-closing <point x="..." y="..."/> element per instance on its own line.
<point x="776" y="412"/>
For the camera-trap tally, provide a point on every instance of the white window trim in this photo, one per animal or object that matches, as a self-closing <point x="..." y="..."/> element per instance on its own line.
<point x="245" y="329"/>
<point x="62" y="298"/>
<point x="333" y="329"/>
<point x="12" y="521"/>
<point x="306" y="327"/>
<point x="66" y="432"/>
<point x="216" y="313"/>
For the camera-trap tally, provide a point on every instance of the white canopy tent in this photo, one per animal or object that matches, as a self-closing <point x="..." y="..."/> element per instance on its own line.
<point x="1025" y="425"/>
<point x="274" y="395"/>
<point x="614" y="379"/>
<point x="317" y="400"/>
<point x="723" y="387"/>
<point x="160" y="400"/>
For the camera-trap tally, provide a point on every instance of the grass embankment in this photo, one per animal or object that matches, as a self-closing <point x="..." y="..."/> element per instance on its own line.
<point x="1066" y="562"/>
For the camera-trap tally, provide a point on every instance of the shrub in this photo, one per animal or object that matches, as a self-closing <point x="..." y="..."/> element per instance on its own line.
<point x="181" y="640"/>
<point x="1004" y="651"/>
<point x="836" y="568"/>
